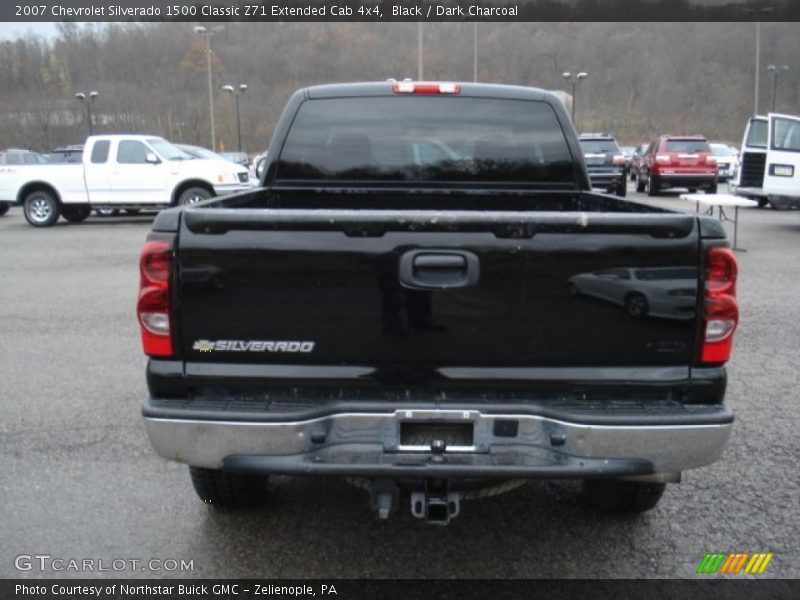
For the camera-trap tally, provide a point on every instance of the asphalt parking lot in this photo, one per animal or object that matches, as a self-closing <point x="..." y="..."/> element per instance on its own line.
<point x="78" y="478"/>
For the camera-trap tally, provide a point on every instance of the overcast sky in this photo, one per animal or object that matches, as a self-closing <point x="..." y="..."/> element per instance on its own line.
<point x="10" y="31"/>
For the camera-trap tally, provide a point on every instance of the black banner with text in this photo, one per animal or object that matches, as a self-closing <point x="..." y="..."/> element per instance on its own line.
<point x="399" y="10"/>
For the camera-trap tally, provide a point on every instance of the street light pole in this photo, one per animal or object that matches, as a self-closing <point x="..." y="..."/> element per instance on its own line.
<point x="87" y="99"/>
<point x="236" y="92"/>
<point x="775" y="70"/>
<point x="201" y="30"/>
<point x="419" y="51"/>
<point x="758" y="63"/>
<point x="578" y="78"/>
<point x="755" y="13"/>
<point x="475" y="51"/>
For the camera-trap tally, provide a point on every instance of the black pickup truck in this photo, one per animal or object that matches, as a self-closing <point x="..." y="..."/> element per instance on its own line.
<point x="425" y="297"/>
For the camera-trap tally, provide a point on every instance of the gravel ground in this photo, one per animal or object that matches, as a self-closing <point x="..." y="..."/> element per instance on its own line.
<point x="78" y="478"/>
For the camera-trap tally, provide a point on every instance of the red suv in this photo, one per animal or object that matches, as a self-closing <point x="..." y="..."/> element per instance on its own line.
<point x="677" y="161"/>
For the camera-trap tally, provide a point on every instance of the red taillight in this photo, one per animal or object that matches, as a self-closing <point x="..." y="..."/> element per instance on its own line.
<point x="153" y="307"/>
<point x="418" y="87"/>
<point x="721" y="311"/>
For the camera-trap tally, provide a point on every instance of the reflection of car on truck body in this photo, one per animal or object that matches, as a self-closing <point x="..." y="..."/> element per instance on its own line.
<point x="117" y="172"/>
<point x="392" y="305"/>
<point x="668" y="292"/>
<point x="769" y="168"/>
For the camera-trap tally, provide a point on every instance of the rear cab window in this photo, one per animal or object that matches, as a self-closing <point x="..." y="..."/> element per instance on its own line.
<point x="100" y="151"/>
<point x="688" y="146"/>
<point x="426" y="139"/>
<point x="599" y="147"/>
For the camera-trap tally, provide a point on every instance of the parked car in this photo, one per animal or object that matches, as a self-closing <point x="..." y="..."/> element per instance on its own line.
<point x="727" y="161"/>
<point x="388" y="310"/>
<point x="677" y="161"/>
<point x="637" y="160"/>
<point x="255" y="171"/>
<point x="66" y="154"/>
<point x="20" y="156"/>
<point x="129" y="172"/>
<point x="605" y="162"/>
<point x="770" y="161"/>
<point x="240" y="158"/>
<point x="627" y="152"/>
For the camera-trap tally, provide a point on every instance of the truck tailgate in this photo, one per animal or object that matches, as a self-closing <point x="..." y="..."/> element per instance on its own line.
<point x="416" y="291"/>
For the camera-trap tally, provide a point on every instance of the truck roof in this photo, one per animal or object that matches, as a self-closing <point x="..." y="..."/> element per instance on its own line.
<point x="127" y="136"/>
<point x="386" y="88"/>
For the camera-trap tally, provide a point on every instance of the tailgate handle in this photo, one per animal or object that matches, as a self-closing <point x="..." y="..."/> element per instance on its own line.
<point x="439" y="261"/>
<point x="438" y="269"/>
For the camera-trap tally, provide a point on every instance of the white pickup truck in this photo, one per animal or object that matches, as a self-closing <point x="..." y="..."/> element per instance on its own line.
<point x="770" y="161"/>
<point x="129" y="172"/>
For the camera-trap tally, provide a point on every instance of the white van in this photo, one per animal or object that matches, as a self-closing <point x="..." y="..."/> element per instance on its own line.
<point x="770" y="161"/>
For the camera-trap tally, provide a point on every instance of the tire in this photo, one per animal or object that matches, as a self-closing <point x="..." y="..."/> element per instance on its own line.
<point x="3" y="208"/>
<point x="75" y="213"/>
<point x="692" y="190"/>
<point x="226" y="491"/>
<point x="762" y="202"/>
<point x="193" y="195"/>
<point x="636" y="305"/>
<point x="712" y="189"/>
<point x="132" y="211"/>
<point x="652" y="186"/>
<point x="614" y="495"/>
<point x="622" y="187"/>
<point x="639" y="183"/>
<point x="573" y="290"/>
<point x="41" y="209"/>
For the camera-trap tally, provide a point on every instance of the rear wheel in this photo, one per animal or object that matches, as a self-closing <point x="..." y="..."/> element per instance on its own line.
<point x="193" y="195"/>
<point x="132" y="211"/>
<point x="652" y="185"/>
<point x="614" y="495"/>
<point x="224" y="490"/>
<point x="3" y="208"/>
<point x="636" y="305"/>
<point x="622" y="187"/>
<point x="639" y="183"/>
<point x="41" y="209"/>
<point x="712" y="189"/>
<point x="75" y="213"/>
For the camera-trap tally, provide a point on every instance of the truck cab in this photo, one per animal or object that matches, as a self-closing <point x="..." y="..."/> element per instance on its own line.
<point x="770" y="161"/>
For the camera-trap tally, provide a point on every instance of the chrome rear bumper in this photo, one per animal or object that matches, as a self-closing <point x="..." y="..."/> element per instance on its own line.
<point x="503" y="445"/>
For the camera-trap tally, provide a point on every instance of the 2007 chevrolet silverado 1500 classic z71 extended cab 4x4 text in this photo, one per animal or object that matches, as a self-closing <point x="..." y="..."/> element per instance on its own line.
<point x="423" y="297"/>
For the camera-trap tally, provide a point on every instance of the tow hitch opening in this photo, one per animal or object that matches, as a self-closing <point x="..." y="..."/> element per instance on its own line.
<point x="436" y="504"/>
